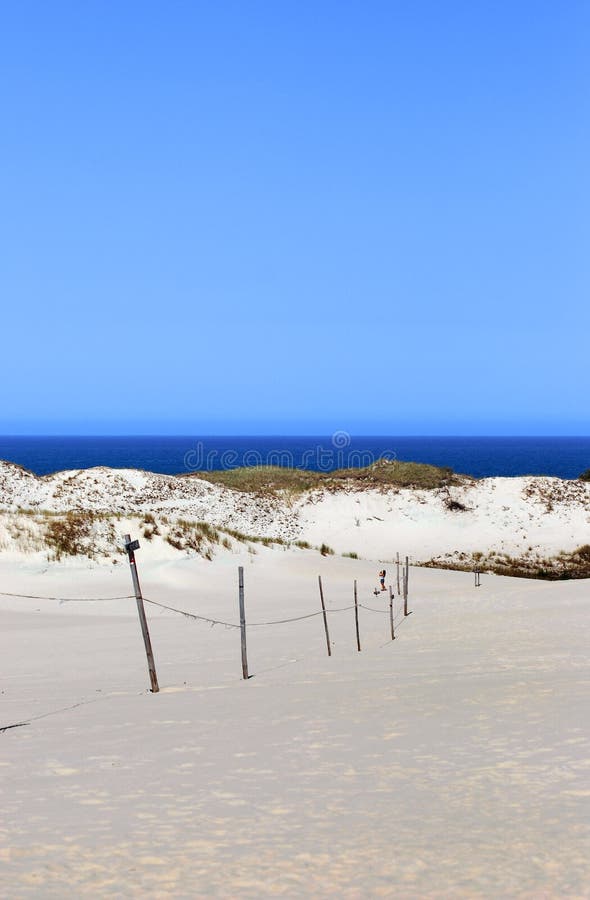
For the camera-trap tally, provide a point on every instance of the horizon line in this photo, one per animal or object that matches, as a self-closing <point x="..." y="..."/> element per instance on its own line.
<point x="351" y="434"/>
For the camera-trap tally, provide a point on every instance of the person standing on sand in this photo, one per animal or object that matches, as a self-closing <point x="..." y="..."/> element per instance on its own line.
<point x="382" y="574"/>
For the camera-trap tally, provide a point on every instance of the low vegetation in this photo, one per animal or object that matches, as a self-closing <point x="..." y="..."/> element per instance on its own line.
<point x="253" y="538"/>
<point x="150" y="527"/>
<point x="399" y="474"/>
<point x="561" y="567"/>
<point x="263" y="479"/>
<point x="198" y="537"/>
<point x="271" y="480"/>
<point x="97" y="534"/>
<point x="550" y="493"/>
<point x="68" y="535"/>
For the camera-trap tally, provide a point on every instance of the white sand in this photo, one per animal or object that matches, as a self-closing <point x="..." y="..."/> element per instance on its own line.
<point x="453" y="762"/>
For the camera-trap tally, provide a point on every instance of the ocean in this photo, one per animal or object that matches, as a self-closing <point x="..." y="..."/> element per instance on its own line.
<point x="565" y="457"/>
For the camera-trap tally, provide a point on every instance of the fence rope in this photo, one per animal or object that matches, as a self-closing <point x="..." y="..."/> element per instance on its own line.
<point x="66" y="599"/>
<point x="189" y="615"/>
<point x="195" y="616"/>
<point x="320" y="612"/>
<point x="183" y="612"/>
<point x="372" y="609"/>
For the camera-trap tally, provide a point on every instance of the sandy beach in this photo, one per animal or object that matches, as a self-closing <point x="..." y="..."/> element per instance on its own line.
<point x="451" y="762"/>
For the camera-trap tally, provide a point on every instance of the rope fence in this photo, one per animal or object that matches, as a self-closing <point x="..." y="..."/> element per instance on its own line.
<point x="184" y="612"/>
<point x="242" y="625"/>
<point x="66" y="599"/>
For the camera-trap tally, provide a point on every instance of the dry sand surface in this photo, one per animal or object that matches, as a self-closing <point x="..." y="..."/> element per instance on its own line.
<point x="452" y="762"/>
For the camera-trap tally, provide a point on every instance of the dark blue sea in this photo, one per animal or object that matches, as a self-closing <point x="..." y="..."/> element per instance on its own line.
<point x="566" y="457"/>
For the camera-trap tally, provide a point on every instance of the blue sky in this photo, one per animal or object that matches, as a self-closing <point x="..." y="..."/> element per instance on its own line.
<point x="295" y="217"/>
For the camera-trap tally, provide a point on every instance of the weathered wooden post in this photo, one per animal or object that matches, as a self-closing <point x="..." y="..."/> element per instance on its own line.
<point x="243" y="623"/>
<point x="397" y="567"/>
<point x="131" y="547"/>
<point x="406" y="578"/>
<point x="477" y="581"/>
<point x="356" y="618"/>
<point x="391" y="612"/>
<point x="324" y="615"/>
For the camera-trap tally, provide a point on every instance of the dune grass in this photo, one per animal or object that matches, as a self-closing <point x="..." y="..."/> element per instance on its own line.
<point x="561" y="567"/>
<point x="263" y="479"/>
<point x="383" y="473"/>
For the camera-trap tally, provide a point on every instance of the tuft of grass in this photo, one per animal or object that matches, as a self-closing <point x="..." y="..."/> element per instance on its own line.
<point x="326" y="551"/>
<point x="237" y="535"/>
<point x="151" y="528"/>
<point x="583" y="553"/>
<point x="351" y="555"/>
<point x="208" y="532"/>
<point x="199" y="537"/>
<point x="253" y="538"/>
<point x="68" y="535"/>
<point x="303" y="545"/>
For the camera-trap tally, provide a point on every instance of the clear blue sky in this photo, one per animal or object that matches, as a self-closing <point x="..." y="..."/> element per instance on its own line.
<point x="292" y="217"/>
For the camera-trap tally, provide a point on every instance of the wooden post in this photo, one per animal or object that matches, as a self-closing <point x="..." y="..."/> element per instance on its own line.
<point x="243" y="623"/>
<point x="406" y="577"/>
<point x="391" y="612"/>
<point x="477" y="581"/>
<point x="356" y="618"/>
<point x="325" y="616"/>
<point x="131" y="547"/>
<point x="397" y="566"/>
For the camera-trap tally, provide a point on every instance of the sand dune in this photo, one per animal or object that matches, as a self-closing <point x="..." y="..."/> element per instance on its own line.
<point x="515" y="516"/>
